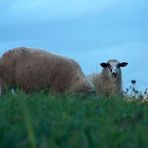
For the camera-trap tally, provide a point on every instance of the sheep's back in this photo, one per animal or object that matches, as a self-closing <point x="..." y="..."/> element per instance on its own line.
<point x="39" y="69"/>
<point x="33" y="69"/>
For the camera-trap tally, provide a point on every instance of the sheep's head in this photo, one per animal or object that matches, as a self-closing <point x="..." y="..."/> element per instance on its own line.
<point x="113" y="68"/>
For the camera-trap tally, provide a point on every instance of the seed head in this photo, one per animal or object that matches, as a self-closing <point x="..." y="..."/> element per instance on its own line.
<point x="133" y="82"/>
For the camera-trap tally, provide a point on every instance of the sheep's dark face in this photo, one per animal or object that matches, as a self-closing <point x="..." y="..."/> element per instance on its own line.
<point x="114" y="68"/>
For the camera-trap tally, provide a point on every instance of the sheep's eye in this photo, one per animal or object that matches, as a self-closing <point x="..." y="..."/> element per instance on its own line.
<point x="110" y="67"/>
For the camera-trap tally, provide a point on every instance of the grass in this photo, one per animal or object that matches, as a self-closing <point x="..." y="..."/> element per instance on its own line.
<point x="71" y="121"/>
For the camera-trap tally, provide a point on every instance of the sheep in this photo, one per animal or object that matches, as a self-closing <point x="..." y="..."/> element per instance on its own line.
<point x="33" y="69"/>
<point x="109" y="81"/>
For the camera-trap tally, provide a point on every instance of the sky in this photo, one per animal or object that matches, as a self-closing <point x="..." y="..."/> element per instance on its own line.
<point x="89" y="31"/>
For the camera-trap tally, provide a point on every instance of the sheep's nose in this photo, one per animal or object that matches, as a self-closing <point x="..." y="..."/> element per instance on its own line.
<point x="114" y="74"/>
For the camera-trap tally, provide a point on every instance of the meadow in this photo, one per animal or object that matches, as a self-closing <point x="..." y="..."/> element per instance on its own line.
<point x="44" y="120"/>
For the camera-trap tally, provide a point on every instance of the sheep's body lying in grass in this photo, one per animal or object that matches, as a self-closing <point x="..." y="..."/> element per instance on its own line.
<point x="33" y="69"/>
<point x="109" y="81"/>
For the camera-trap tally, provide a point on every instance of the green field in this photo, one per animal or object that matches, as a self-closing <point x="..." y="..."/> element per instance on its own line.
<point x="71" y="121"/>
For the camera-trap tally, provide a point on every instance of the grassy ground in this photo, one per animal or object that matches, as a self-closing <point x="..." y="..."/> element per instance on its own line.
<point x="69" y="121"/>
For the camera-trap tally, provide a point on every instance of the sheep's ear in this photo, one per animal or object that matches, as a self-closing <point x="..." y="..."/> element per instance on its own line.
<point x="104" y="65"/>
<point x="123" y="64"/>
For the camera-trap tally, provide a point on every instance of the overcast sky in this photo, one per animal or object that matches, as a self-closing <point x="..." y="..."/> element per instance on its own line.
<point x="89" y="31"/>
